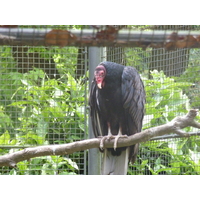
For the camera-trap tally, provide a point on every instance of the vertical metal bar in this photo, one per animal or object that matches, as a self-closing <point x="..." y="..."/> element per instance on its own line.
<point x="94" y="157"/>
<point x="86" y="105"/>
<point x="104" y="53"/>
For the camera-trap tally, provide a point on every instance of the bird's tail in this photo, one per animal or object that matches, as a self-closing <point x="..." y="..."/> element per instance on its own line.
<point x="115" y="165"/>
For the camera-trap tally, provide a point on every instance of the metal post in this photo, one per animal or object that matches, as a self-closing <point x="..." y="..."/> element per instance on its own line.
<point x="94" y="157"/>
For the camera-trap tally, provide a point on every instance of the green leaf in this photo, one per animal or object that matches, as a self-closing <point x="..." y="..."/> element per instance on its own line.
<point x="144" y="163"/>
<point x="5" y="139"/>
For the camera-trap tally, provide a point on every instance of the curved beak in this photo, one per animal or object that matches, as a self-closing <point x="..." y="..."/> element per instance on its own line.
<point x="99" y="85"/>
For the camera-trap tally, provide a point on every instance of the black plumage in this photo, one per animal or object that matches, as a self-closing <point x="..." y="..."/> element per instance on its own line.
<point x="117" y="99"/>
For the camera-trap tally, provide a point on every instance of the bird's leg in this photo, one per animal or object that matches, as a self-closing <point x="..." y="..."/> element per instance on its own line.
<point x="117" y="137"/>
<point x="109" y="136"/>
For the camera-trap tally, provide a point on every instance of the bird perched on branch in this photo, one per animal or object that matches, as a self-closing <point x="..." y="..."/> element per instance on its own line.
<point x="117" y="99"/>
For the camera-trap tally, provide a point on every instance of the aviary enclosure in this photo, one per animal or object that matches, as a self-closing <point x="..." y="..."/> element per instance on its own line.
<point x="44" y="86"/>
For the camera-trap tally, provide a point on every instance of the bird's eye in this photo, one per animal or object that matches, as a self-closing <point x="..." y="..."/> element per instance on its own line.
<point x="99" y="74"/>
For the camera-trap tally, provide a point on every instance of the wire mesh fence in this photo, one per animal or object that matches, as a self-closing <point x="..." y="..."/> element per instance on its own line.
<point x="43" y="102"/>
<point x="44" y="91"/>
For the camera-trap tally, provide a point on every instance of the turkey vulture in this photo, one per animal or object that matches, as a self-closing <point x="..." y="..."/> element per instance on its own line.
<point x="117" y="99"/>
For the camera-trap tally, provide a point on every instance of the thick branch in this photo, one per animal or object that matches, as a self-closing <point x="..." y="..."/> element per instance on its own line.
<point x="174" y="126"/>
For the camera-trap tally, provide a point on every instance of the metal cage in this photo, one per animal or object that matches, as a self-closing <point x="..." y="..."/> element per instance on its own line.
<point x="44" y="92"/>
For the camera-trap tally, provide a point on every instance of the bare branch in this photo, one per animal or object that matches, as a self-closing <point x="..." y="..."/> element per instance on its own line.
<point x="174" y="126"/>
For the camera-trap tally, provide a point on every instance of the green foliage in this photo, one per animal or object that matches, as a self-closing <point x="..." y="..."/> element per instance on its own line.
<point x="169" y="157"/>
<point x="139" y="59"/>
<point x="48" y="165"/>
<point x="191" y="74"/>
<point x="165" y="99"/>
<point x="36" y="110"/>
<point x="46" y="105"/>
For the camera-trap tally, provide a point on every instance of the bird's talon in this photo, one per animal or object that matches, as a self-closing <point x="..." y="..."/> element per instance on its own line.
<point x="116" y="139"/>
<point x="102" y="141"/>
<point x="108" y="137"/>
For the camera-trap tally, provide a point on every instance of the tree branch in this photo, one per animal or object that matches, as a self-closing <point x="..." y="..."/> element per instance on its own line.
<point x="174" y="126"/>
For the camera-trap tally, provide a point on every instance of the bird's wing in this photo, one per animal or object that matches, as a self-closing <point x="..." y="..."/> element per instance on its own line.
<point x="133" y="98"/>
<point x="94" y="110"/>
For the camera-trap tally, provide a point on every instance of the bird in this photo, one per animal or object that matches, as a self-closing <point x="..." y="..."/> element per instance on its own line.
<point x="117" y="106"/>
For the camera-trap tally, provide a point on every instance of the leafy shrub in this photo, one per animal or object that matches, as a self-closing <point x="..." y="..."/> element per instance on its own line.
<point x="36" y="110"/>
<point x="166" y="100"/>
